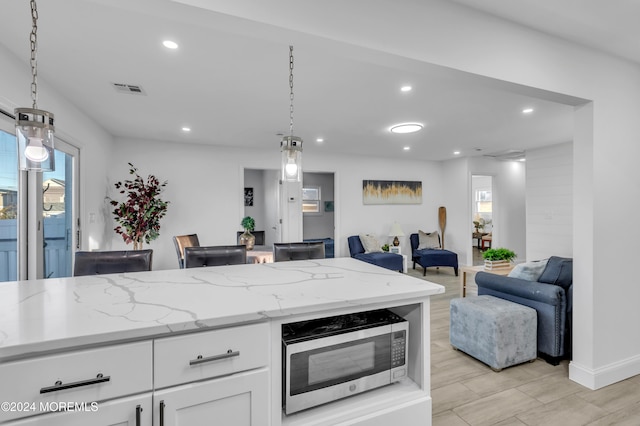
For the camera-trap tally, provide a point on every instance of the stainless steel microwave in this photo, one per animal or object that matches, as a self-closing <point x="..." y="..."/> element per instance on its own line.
<point x="332" y="358"/>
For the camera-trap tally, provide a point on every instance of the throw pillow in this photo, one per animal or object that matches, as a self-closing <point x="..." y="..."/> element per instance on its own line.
<point x="428" y="240"/>
<point x="529" y="271"/>
<point x="370" y="243"/>
<point x="559" y="271"/>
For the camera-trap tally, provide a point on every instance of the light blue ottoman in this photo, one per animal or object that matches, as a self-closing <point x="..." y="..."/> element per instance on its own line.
<point x="495" y="331"/>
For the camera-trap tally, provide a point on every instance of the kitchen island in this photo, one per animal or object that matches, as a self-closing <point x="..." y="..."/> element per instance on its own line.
<point x="133" y="329"/>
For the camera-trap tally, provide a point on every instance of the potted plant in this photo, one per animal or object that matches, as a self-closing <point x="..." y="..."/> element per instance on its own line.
<point x="138" y="217"/>
<point x="247" y="238"/>
<point x="496" y="258"/>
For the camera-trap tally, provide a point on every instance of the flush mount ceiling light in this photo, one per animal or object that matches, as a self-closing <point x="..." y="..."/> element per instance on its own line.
<point x="406" y="88"/>
<point x="456" y="152"/>
<point x="406" y="128"/>
<point x="186" y="129"/>
<point x="291" y="146"/>
<point x="34" y="127"/>
<point x="319" y="140"/>
<point x="527" y="110"/>
<point x="170" y="44"/>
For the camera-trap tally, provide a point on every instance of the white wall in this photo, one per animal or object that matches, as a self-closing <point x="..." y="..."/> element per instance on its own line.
<point x="208" y="199"/>
<point x="550" y="202"/>
<point x="75" y="128"/>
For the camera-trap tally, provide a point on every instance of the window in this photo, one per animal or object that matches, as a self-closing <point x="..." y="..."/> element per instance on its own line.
<point x="311" y="199"/>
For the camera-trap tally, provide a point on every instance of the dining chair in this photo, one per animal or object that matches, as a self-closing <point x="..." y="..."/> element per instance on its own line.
<point x="283" y="252"/>
<point x="182" y="241"/>
<point x="195" y="257"/>
<point x="111" y="262"/>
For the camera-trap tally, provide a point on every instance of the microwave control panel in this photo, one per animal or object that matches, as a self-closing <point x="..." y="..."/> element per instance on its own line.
<point x="398" y="348"/>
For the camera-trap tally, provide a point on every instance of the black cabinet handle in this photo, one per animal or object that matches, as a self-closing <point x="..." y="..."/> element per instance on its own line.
<point x="162" y="413"/>
<point x="201" y="360"/>
<point x="60" y="386"/>
<point x="138" y="411"/>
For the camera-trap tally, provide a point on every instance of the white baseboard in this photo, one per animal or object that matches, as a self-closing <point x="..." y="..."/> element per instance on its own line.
<point x="604" y="376"/>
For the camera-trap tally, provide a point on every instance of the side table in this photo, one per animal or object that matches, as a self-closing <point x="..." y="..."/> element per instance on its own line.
<point x="469" y="272"/>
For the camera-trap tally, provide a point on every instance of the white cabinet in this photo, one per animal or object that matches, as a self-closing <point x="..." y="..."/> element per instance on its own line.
<point x="237" y="400"/>
<point x="226" y="375"/>
<point x="131" y="411"/>
<point x="81" y="376"/>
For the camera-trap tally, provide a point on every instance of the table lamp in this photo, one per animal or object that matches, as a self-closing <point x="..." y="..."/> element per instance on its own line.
<point x="396" y="232"/>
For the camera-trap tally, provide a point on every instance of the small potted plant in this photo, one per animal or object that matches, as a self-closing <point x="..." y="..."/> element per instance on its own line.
<point x="496" y="258"/>
<point x="247" y="238"/>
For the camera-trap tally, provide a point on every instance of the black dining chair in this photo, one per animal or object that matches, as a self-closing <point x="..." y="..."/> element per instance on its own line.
<point x="182" y="241"/>
<point x="195" y="257"/>
<point x="283" y="252"/>
<point x="111" y="262"/>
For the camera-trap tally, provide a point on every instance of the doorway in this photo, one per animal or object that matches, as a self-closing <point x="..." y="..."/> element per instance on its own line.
<point x="482" y="208"/>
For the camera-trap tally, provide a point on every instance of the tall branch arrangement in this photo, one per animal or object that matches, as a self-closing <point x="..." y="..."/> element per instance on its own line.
<point x="138" y="217"/>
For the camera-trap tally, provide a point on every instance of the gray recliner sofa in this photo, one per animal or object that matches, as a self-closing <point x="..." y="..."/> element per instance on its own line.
<point x="552" y="298"/>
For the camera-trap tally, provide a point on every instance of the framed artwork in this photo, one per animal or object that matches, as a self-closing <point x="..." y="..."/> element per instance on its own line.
<point x="391" y="192"/>
<point x="248" y="196"/>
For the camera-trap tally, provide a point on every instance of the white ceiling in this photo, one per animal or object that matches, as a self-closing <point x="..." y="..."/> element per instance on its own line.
<point x="229" y="80"/>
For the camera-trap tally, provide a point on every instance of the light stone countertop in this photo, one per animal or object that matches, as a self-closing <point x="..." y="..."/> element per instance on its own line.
<point x="61" y="313"/>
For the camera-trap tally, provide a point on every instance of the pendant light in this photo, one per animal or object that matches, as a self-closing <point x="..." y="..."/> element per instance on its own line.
<point x="291" y="146"/>
<point x="34" y="127"/>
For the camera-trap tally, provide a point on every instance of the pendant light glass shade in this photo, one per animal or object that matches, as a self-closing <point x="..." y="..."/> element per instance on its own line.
<point x="34" y="134"/>
<point x="34" y="127"/>
<point x="291" y="148"/>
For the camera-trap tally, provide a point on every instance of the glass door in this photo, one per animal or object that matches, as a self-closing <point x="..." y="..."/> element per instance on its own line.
<point x="58" y="207"/>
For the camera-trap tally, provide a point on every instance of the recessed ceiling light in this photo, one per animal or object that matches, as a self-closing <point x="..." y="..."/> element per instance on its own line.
<point x="405" y="88"/>
<point x="319" y="140"/>
<point x="406" y="128"/>
<point x="186" y="129"/>
<point x="407" y="148"/>
<point x="456" y="152"/>
<point x="170" y="44"/>
<point x="527" y="110"/>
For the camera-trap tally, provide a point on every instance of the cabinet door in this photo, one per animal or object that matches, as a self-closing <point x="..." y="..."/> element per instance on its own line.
<point x="238" y="400"/>
<point x="131" y="411"/>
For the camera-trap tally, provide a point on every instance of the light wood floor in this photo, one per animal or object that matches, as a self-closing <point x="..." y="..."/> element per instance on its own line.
<point x="467" y="392"/>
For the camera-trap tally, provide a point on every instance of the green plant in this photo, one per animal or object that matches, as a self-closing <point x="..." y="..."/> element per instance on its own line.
<point x="499" y="254"/>
<point x="248" y="223"/>
<point x="385" y="247"/>
<point x="138" y="217"/>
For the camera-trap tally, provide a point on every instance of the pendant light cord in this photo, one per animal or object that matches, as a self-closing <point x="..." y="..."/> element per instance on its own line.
<point x="33" y="38"/>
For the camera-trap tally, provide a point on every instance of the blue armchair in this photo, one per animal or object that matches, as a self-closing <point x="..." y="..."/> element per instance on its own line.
<point x="431" y="257"/>
<point x="552" y="298"/>
<point x="386" y="260"/>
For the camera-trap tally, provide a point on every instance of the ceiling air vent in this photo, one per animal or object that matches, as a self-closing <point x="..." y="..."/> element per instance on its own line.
<point x="507" y="155"/>
<point x="131" y="89"/>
